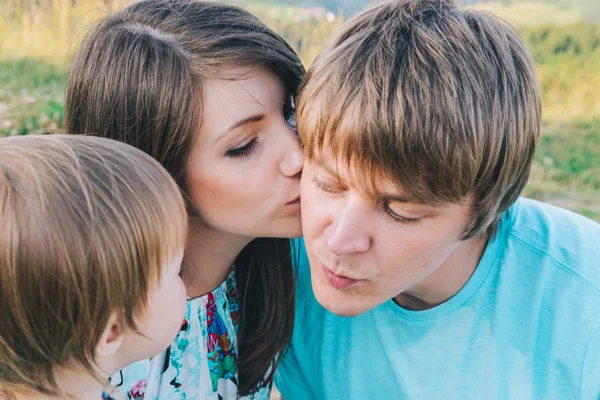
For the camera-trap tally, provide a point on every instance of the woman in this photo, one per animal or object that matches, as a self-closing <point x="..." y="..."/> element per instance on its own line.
<point x="208" y="90"/>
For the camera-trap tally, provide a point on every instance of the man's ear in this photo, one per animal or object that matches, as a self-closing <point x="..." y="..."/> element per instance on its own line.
<point x="111" y="338"/>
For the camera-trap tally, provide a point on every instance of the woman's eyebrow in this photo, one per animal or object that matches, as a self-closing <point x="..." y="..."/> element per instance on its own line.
<point x="245" y="121"/>
<point x="242" y="122"/>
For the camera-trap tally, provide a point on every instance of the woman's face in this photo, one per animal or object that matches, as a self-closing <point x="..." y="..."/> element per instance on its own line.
<point x="243" y="175"/>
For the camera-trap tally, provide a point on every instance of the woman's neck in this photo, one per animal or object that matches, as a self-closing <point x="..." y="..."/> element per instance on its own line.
<point x="209" y="256"/>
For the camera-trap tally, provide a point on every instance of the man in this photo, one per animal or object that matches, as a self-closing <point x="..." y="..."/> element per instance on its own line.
<point x="420" y="122"/>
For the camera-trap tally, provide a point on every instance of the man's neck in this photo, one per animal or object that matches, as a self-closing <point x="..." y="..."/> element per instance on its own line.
<point x="447" y="280"/>
<point x="209" y="256"/>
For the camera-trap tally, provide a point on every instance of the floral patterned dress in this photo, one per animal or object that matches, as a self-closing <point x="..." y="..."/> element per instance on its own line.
<point x="201" y="363"/>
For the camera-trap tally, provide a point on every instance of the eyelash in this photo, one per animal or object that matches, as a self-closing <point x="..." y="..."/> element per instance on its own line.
<point x="398" y="218"/>
<point x="289" y="113"/>
<point x="243" y="151"/>
<point x="324" y="187"/>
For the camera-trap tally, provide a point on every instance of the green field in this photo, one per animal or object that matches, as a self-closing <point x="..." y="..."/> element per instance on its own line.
<point x="38" y="37"/>
<point x="536" y="13"/>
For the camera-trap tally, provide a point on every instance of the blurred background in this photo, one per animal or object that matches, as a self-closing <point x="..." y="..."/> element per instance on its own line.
<point x="38" y="39"/>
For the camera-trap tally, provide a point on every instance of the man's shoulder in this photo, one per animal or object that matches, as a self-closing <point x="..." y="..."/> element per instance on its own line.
<point x="568" y="240"/>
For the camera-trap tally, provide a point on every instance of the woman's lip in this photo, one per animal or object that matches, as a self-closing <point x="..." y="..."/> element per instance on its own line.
<point x="338" y="281"/>
<point x="295" y="201"/>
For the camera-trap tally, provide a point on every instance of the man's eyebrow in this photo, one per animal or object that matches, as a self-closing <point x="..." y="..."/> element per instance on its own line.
<point x="322" y="164"/>
<point x="402" y="199"/>
<point x="405" y="198"/>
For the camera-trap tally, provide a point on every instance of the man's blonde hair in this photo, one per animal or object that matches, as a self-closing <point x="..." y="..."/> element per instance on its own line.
<point x="86" y="226"/>
<point x="442" y="101"/>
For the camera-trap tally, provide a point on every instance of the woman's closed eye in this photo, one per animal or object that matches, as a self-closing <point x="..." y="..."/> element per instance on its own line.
<point x="243" y="150"/>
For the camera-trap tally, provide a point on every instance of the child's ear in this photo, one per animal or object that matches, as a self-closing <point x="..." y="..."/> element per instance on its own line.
<point x="111" y="338"/>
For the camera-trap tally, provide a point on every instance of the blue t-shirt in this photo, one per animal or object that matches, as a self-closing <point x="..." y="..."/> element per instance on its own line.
<point x="525" y="326"/>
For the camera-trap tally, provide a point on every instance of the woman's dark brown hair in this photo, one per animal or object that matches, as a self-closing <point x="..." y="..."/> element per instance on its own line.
<point x="138" y="78"/>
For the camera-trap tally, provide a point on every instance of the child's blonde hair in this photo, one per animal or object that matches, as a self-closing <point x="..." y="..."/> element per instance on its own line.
<point x="86" y="225"/>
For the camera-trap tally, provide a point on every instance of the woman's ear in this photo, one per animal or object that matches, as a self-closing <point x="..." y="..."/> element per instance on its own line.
<point x="111" y="338"/>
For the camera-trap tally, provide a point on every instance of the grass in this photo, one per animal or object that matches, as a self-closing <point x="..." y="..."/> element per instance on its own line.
<point x="535" y="13"/>
<point x="48" y="29"/>
<point x="270" y="9"/>
<point x="31" y="96"/>
<point x="566" y="170"/>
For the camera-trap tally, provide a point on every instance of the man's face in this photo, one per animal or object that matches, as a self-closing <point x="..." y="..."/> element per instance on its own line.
<point x="363" y="252"/>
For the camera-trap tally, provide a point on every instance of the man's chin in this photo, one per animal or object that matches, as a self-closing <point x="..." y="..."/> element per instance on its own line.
<point x="338" y="303"/>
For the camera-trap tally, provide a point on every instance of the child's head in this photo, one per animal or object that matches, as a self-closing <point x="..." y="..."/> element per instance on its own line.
<point x="91" y="238"/>
<point x="427" y="111"/>
<point x="207" y="89"/>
